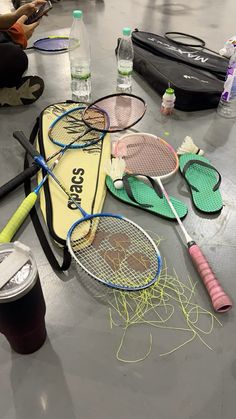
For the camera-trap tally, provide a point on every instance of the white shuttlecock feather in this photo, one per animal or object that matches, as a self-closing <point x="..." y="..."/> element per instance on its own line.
<point x="115" y="168"/>
<point x="188" y="146"/>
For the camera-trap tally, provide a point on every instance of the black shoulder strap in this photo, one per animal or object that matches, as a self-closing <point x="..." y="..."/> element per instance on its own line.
<point x="36" y="221"/>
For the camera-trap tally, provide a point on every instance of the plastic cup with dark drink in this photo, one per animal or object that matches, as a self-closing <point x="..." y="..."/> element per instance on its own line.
<point x="22" y="305"/>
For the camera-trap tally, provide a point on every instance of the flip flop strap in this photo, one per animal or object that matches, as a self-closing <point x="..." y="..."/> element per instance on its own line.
<point x="201" y="163"/>
<point x="130" y="194"/>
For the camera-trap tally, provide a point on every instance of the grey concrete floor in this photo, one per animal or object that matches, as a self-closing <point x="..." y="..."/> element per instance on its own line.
<point x="76" y="374"/>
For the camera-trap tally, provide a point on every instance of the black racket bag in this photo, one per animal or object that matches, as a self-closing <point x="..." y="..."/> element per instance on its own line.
<point x="197" y="76"/>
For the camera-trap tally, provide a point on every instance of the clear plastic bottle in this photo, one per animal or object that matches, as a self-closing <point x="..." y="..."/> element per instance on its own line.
<point x="125" y="57"/>
<point x="168" y="101"/>
<point x="80" y="59"/>
<point x="227" y="104"/>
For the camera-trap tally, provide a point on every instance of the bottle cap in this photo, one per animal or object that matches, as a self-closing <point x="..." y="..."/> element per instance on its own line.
<point x="18" y="271"/>
<point x="170" y="91"/>
<point x="77" y="14"/>
<point x="126" y="31"/>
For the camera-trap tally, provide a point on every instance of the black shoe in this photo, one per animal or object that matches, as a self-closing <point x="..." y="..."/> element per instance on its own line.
<point x="26" y="92"/>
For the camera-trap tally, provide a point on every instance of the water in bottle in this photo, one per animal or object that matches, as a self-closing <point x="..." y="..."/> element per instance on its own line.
<point x="80" y="59"/>
<point x="125" y="56"/>
<point x="227" y="104"/>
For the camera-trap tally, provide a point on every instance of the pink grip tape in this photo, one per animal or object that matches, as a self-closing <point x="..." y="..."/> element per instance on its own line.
<point x="220" y="300"/>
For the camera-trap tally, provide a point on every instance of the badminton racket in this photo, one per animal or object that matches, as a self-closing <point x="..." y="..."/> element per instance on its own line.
<point x="27" y="204"/>
<point x="66" y="131"/>
<point x="123" y="110"/>
<point x="164" y="157"/>
<point x="194" y="41"/>
<point x="51" y="44"/>
<point x="120" y="254"/>
<point x="96" y="118"/>
<point x="109" y="247"/>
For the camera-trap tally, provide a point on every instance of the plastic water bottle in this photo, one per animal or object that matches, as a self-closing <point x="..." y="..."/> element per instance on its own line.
<point x="125" y="57"/>
<point x="227" y="104"/>
<point x="80" y="59"/>
<point x="168" y="101"/>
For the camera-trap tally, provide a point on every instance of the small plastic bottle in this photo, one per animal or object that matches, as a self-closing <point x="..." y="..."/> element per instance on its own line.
<point x="168" y="101"/>
<point x="80" y="59"/>
<point x="227" y="104"/>
<point x="125" y="57"/>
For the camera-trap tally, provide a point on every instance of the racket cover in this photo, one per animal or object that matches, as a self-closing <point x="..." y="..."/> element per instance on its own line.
<point x="80" y="171"/>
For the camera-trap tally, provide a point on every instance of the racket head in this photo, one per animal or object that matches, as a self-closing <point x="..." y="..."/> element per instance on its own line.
<point x="118" y="253"/>
<point x="147" y="154"/>
<point x="124" y="111"/>
<point x="69" y="130"/>
<point x="174" y="37"/>
<point x="52" y="44"/>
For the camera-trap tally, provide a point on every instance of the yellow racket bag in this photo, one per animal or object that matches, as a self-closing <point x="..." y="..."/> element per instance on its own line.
<point x="81" y="171"/>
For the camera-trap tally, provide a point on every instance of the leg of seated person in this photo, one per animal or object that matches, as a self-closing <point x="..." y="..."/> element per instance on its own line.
<point x="14" y="88"/>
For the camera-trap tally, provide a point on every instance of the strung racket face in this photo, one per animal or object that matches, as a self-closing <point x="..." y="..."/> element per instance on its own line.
<point x="148" y="155"/>
<point x="69" y="129"/>
<point x="124" y="111"/>
<point x="52" y="44"/>
<point x="115" y="251"/>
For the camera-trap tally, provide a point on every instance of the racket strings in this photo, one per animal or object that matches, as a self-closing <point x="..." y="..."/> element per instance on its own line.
<point x="117" y="253"/>
<point x="71" y="128"/>
<point x="147" y="155"/>
<point x="52" y="44"/>
<point x="124" y="111"/>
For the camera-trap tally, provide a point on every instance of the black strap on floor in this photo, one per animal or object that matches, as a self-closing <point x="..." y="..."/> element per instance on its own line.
<point x="36" y="221"/>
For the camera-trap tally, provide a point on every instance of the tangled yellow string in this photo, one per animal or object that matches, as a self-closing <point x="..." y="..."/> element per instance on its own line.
<point x="155" y="307"/>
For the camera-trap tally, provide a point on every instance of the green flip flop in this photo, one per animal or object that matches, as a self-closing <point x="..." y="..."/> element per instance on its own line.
<point x="203" y="180"/>
<point x="141" y="195"/>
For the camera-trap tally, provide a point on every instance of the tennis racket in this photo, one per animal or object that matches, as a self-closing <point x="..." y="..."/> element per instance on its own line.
<point x="163" y="156"/>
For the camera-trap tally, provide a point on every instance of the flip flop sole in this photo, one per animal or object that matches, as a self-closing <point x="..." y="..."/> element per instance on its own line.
<point x="204" y="179"/>
<point x="145" y="194"/>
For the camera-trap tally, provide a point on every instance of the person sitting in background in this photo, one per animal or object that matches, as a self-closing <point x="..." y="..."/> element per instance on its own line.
<point x="14" y="34"/>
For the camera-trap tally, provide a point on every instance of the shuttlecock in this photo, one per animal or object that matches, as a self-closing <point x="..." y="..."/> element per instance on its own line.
<point x="115" y="168"/>
<point x="188" y="146"/>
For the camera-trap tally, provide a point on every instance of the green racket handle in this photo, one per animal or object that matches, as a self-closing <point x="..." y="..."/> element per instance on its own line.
<point x="18" y="218"/>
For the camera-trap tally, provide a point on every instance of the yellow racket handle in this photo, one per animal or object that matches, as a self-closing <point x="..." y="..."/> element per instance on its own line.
<point x="18" y="218"/>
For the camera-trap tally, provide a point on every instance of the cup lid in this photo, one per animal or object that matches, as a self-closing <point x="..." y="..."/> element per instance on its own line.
<point x="20" y="272"/>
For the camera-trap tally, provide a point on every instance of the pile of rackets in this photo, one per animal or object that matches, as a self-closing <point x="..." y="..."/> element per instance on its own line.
<point x="108" y="247"/>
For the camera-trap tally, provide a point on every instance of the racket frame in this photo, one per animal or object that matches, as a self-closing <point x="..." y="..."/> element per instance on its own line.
<point x="164" y="178"/>
<point x="110" y="96"/>
<point x="87" y="217"/>
<point x="72" y="144"/>
<point x="49" y="38"/>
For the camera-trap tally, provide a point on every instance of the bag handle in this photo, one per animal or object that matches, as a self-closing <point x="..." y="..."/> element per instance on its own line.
<point x="201" y="43"/>
<point x="37" y="224"/>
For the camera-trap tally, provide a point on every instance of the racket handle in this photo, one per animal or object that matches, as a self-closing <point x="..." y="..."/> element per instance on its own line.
<point x="18" y="180"/>
<point x="18" y="218"/>
<point x="220" y="300"/>
<point x="20" y="136"/>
